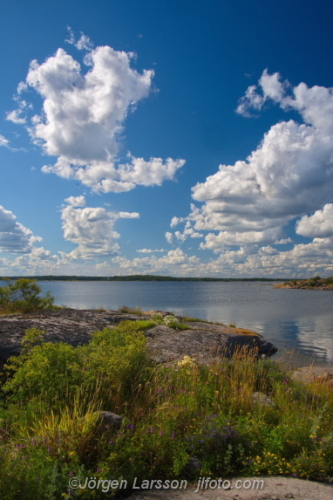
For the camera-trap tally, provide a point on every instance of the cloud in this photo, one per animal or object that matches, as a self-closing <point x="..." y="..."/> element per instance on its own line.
<point x="3" y="141"/>
<point x="14" y="237"/>
<point x="19" y="115"/>
<point x="271" y="87"/>
<point x="169" y="237"/>
<point x="76" y="201"/>
<point x="218" y="242"/>
<point x="175" y="262"/>
<point x="16" y="117"/>
<point x="320" y="224"/>
<point x="91" y="229"/>
<point x="149" y="250"/>
<point x="289" y="175"/>
<point x="83" y="118"/>
<point x="188" y="231"/>
<point x="83" y="43"/>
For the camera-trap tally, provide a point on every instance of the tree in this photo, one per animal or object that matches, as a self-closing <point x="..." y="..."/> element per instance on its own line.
<point x="24" y="296"/>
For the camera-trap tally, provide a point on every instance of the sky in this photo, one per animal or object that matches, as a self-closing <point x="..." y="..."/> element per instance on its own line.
<point x="170" y="137"/>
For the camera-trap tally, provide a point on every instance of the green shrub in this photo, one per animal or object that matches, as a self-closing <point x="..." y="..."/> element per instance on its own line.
<point x="175" y="415"/>
<point x="23" y="296"/>
<point x="48" y="371"/>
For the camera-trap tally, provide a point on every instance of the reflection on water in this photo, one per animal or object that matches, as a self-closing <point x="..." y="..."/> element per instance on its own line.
<point x="293" y="320"/>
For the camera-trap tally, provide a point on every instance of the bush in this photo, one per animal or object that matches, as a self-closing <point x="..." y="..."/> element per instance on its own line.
<point x="180" y="420"/>
<point x="23" y="296"/>
<point x="47" y="371"/>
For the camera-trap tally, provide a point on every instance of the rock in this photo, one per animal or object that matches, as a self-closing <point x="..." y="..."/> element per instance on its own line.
<point x="72" y="326"/>
<point x="109" y="421"/>
<point x="202" y="340"/>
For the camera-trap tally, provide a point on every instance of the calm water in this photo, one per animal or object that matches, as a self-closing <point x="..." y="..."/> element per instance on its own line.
<point x="300" y="320"/>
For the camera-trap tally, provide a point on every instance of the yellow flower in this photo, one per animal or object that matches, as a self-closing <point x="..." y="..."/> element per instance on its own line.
<point x="186" y="361"/>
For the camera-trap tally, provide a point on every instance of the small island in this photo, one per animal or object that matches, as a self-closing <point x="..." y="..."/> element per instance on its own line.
<point x="316" y="283"/>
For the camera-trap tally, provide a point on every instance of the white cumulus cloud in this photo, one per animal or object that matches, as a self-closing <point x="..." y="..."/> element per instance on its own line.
<point x="91" y="228"/>
<point x="319" y="225"/>
<point x="83" y="117"/>
<point x="14" y="237"/>
<point x="217" y="242"/>
<point x="150" y="250"/>
<point x="289" y="175"/>
<point x="3" y="141"/>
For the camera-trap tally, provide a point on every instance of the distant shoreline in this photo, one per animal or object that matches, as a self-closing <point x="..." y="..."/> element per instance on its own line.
<point x="138" y="277"/>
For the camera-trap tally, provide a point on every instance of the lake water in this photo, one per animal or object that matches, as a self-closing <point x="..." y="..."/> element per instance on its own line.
<point x="300" y="321"/>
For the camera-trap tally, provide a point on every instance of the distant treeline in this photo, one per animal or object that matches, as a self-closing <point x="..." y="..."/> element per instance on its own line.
<point x="135" y="277"/>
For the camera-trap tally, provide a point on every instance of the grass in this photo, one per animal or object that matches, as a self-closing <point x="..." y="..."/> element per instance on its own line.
<point x="54" y="393"/>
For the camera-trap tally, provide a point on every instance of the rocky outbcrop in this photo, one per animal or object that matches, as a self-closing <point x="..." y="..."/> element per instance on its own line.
<point x="311" y="284"/>
<point x="201" y="340"/>
<point x="204" y="342"/>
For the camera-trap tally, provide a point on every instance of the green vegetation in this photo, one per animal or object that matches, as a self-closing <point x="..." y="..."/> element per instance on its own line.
<point x="311" y="284"/>
<point x="174" y="416"/>
<point x="23" y="296"/>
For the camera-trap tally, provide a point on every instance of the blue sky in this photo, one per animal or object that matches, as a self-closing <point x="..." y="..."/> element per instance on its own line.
<point x="179" y="137"/>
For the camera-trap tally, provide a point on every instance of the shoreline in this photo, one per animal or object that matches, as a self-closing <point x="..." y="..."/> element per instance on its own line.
<point x="315" y="283"/>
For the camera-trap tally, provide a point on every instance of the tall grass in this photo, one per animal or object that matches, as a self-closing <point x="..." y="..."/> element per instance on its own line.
<point x="183" y="420"/>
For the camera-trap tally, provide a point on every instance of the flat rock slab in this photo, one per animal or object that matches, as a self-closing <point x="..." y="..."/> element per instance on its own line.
<point x="72" y="326"/>
<point x="275" y="488"/>
<point x="202" y="340"/>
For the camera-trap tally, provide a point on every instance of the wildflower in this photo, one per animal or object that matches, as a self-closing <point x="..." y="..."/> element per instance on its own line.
<point x="186" y="361"/>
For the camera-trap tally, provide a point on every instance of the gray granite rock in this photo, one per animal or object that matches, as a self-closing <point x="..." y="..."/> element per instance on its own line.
<point x="201" y="340"/>
<point x="204" y="342"/>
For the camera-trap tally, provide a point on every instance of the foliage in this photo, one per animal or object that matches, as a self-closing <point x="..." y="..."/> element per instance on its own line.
<point x="23" y="296"/>
<point x="174" y="416"/>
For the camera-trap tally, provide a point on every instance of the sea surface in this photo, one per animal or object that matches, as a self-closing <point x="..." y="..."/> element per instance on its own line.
<point x="298" y="322"/>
